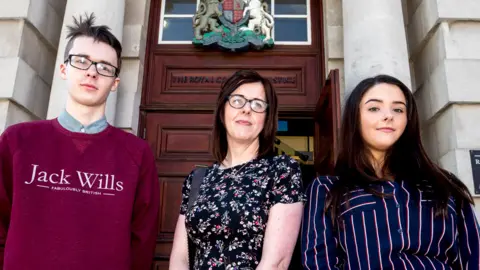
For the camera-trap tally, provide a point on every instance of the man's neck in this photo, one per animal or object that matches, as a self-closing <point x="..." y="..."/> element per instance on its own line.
<point x="240" y="152"/>
<point x="86" y="115"/>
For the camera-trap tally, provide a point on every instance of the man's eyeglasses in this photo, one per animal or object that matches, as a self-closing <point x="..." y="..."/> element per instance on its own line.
<point x="239" y="101"/>
<point x="83" y="63"/>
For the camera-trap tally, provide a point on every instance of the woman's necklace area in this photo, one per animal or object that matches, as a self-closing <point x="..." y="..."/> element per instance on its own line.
<point x="233" y="173"/>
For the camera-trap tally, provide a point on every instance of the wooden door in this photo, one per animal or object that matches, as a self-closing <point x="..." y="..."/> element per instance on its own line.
<point x="181" y="84"/>
<point x="180" y="141"/>
<point x="327" y="125"/>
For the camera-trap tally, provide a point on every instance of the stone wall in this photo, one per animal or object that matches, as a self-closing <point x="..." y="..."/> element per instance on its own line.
<point x="333" y="30"/>
<point x="134" y="43"/>
<point x="444" y="42"/>
<point x="29" y="34"/>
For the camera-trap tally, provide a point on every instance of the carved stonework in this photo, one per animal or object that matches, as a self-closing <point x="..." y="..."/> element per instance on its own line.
<point x="235" y="25"/>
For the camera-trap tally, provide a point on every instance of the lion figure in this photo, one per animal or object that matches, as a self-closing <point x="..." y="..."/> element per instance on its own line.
<point x="260" y="21"/>
<point x="206" y="17"/>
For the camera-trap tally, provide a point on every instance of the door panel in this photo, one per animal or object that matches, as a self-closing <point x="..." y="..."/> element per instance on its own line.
<point x="170" y="199"/>
<point x="327" y="125"/>
<point x="159" y="265"/>
<point x="179" y="141"/>
<point x="194" y="82"/>
<point x="175" y="136"/>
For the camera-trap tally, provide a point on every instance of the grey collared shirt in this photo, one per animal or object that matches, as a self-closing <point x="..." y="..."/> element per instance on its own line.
<point x="68" y="122"/>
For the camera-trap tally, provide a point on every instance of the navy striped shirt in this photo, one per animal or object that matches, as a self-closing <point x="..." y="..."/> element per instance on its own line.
<point x="398" y="232"/>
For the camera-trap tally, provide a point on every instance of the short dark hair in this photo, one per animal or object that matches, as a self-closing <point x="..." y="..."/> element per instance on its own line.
<point x="406" y="159"/>
<point x="84" y="27"/>
<point x="266" y="136"/>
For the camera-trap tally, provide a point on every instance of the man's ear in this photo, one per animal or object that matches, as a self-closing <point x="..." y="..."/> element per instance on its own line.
<point x="63" y="71"/>
<point x="115" y="84"/>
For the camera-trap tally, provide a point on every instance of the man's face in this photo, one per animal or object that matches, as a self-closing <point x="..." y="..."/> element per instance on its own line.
<point x="88" y="87"/>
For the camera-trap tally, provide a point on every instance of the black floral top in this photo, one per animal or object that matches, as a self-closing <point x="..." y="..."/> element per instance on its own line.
<point x="227" y="222"/>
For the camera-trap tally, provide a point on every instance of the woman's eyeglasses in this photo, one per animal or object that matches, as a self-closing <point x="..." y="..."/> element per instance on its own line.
<point x="239" y="101"/>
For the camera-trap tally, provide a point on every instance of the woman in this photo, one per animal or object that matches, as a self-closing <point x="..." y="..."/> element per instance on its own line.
<point x="389" y="206"/>
<point x="248" y="211"/>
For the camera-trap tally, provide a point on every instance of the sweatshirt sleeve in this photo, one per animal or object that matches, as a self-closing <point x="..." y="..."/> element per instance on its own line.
<point x="145" y="214"/>
<point x="5" y="192"/>
<point x="319" y="244"/>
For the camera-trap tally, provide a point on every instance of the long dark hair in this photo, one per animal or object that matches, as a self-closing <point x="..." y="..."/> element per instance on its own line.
<point x="266" y="136"/>
<point x="406" y="159"/>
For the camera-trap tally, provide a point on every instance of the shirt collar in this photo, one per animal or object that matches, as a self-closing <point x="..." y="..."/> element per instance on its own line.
<point x="68" y="122"/>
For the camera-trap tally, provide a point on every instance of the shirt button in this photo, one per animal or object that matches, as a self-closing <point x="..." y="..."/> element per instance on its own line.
<point x="82" y="130"/>
<point x="398" y="205"/>
<point x="400" y="231"/>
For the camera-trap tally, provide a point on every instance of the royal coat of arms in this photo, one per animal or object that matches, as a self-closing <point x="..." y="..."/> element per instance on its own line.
<point x="234" y="25"/>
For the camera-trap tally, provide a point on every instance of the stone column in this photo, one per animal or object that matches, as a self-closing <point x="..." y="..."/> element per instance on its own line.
<point x="29" y="32"/>
<point x="107" y="12"/>
<point x="374" y="41"/>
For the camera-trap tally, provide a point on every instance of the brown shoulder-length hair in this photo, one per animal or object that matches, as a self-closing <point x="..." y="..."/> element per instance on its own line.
<point x="266" y="136"/>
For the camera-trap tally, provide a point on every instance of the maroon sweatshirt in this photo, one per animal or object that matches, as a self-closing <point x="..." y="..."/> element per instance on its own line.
<point x="76" y="201"/>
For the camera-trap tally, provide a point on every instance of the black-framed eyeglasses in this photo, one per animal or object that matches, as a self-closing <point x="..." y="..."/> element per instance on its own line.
<point x="83" y="63"/>
<point x="239" y="101"/>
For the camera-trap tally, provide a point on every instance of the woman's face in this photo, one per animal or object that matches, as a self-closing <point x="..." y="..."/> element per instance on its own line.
<point x="383" y="116"/>
<point x="245" y="124"/>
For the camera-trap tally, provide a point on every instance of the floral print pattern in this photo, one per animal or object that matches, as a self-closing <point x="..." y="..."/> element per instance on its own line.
<point x="228" y="220"/>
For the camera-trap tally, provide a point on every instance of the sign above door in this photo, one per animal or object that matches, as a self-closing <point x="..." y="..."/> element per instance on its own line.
<point x="233" y="25"/>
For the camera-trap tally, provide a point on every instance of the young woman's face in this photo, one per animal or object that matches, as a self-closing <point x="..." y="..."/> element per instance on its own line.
<point x="383" y="116"/>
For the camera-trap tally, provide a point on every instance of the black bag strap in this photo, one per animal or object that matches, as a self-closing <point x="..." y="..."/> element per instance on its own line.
<point x="197" y="178"/>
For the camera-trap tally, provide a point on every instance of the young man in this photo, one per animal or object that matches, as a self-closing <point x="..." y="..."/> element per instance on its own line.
<point x="75" y="192"/>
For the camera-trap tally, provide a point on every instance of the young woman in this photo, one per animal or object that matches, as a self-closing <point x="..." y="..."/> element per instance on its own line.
<point x="389" y="206"/>
<point x="249" y="207"/>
